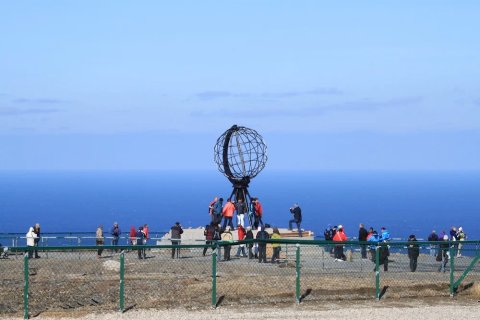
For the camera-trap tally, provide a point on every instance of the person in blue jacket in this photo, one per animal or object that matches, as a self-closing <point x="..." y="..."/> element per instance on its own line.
<point x="217" y="211"/>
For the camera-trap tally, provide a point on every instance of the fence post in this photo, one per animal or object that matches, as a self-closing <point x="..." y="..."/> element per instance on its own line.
<point x="214" y="277"/>
<point x="377" y="272"/>
<point x="122" y="281"/>
<point x="297" y="268"/>
<point x="25" y="286"/>
<point x="452" y="269"/>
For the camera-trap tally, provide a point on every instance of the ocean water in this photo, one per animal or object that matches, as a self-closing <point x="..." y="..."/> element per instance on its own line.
<point x="404" y="202"/>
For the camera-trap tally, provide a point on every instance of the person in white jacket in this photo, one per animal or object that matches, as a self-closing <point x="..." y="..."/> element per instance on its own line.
<point x="31" y="236"/>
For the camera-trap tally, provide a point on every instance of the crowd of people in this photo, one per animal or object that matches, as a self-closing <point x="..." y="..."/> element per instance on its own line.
<point x="215" y="232"/>
<point x="254" y="213"/>
<point x="336" y="234"/>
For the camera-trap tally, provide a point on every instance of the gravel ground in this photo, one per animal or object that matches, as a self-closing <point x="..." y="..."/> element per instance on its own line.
<point x="414" y="310"/>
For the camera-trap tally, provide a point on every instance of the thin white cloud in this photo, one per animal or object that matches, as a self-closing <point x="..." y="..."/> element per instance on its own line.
<point x="211" y="95"/>
<point x="38" y="101"/>
<point x="353" y="106"/>
<point x="8" y="111"/>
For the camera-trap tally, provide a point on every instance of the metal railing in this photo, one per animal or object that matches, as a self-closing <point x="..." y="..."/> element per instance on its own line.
<point x="94" y="278"/>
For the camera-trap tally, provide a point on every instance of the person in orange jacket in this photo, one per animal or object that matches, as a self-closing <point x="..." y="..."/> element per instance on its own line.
<point x="340" y="236"/>
<point x="227" y="213"/>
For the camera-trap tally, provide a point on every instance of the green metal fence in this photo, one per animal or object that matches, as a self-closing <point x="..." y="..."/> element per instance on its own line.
<point x="125" y="277"/>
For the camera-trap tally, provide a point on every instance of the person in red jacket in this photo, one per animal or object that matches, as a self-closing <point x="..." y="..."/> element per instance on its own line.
<point x="227" y="213"/>
<point x="340" y="236"/>
<point x="241" y="236"/>
<point x="258" y="213"/>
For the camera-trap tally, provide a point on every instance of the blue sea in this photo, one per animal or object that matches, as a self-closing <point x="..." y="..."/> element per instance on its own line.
<point x="404" y="202"/>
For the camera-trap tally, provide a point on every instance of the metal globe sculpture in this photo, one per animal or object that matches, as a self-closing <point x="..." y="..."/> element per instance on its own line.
<point x="240" y="154"/>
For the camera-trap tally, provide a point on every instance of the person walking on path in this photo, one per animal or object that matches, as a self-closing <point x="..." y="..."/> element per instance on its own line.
<point x="30" y="236"/>
<point x="241" y="236"/>
<point x="99" y="240"/>
<point x="340" y="236"/>
<point x="262" y="234"/>
<point x="297" y="218"/>
<point x="36" y="229"/>
<point x="362" y="237"/>
<point x="227" y="239"/>
<point x="241" y="208"/>
<point x="208" y="233"/>
<point x="276" y="246"/>
<point x="227" y="212"/>
<point x="217" y="211"/>
<point x="210" y="208"/>
<point x="115" y="232"/>
<point x="433" y="237"/>
<point x="413" y="252"/>
<point x="176" y="236"/>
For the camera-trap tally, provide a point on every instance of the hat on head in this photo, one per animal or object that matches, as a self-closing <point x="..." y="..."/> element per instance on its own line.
<point x="460" y="229"/>
<point x="445" y="237"/>
<point x="249" y="228"/>
<point x="412" y="236"/>
<point x="339" y="226"/>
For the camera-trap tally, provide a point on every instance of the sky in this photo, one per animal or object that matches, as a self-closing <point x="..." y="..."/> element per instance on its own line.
<point x="151" y="85"/>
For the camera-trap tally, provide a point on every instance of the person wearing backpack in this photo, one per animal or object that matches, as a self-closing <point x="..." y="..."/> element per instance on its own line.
<point x="227" y="239"/>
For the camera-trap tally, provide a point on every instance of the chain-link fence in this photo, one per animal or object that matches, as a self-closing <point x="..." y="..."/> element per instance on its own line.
<point x="200" y="276"/>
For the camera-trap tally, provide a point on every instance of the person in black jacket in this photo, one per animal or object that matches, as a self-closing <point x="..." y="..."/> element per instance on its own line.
<point x="176" y="236"/>
<point x="36" y="229"/>
<point x="413" y="252"/>
<point x="433" y="248"/>
<point x="262" y="246"/>
<point x="362" y="236"/>
<point x="297" y="218"/>
<point x="249" y="236"/>
<point x="443" y="254"/>
<point x="139" y="236"/>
